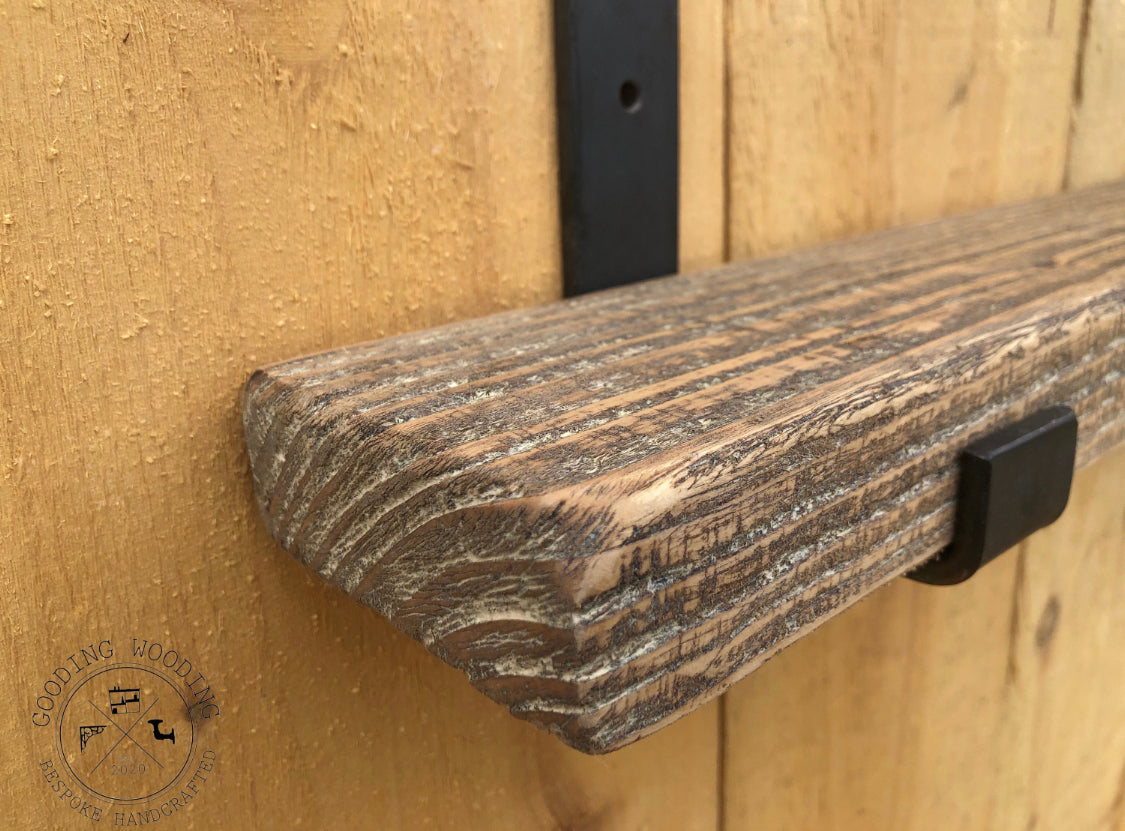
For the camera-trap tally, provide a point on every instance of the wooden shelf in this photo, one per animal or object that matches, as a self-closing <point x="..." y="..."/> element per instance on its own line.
<point x="608" y="509"/>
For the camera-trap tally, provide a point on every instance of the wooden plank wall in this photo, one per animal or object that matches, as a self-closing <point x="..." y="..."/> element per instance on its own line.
<point x="994" y="705"/>
<point x="190" y="189"/>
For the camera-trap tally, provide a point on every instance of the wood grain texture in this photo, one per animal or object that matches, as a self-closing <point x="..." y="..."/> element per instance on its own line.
<point x="1096" y="151"/>
<point x="157" y="239"/>
<point x="606" y="510"/>
<point x="702" y="135"/>
<point x="994" y="705"/>
<point x="188" y="189"/>
<point x="851" y="115"/>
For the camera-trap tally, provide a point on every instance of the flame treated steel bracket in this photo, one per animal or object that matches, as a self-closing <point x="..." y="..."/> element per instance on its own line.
<point x="618" y="129"/>
<point x="1013" y="482"/>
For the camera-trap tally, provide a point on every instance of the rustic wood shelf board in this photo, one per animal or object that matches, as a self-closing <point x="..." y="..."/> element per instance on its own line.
<point x="608" y="509"/>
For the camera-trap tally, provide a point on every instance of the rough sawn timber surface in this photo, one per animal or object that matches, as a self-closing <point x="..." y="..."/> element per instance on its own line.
<point x="608" y="509"/>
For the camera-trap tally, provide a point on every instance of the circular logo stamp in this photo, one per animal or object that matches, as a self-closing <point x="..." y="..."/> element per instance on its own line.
<point x="126" y="733"/>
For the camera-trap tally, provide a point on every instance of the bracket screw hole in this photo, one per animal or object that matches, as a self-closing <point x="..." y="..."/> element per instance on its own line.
<point x="630" y="96"/>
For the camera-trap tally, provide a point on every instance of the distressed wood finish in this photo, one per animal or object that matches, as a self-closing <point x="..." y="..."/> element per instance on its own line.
<point x="608" y="509"/>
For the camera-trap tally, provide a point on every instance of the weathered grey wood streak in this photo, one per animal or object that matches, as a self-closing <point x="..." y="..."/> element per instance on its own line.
<point x="608" y="509"/>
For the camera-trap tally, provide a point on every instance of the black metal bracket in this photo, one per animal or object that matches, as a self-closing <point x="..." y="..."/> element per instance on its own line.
<point x="1013" y="482"/>
<point x="617" y="70"/>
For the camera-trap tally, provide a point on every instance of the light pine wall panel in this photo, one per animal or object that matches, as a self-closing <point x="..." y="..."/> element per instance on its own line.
<point x="996" y="704"/>
<point x="189" y="190"/>
<point x="849" y="115"/>
<point x="703" y="131"/>
<point x="1097" y="145"/>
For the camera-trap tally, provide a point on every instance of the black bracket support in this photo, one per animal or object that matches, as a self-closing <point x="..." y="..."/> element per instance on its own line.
<point x="617" y="70"/>
<point x="1013" y="482"/>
